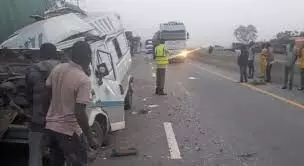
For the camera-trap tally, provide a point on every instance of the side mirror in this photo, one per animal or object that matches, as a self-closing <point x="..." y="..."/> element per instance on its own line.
<point x="102" y="70"/>
<point x="188" y="36"/>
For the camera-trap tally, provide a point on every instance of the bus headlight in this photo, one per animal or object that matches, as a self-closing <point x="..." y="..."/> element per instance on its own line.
<point x="183" y="54"/>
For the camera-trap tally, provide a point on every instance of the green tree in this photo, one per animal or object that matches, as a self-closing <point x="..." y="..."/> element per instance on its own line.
<point x="246" y="34"/>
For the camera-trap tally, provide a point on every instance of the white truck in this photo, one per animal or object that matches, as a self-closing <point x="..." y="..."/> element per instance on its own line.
<point x="110" y="68"/>
<point x="175" y="36"/>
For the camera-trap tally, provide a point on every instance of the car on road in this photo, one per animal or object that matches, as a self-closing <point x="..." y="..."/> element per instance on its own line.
<point x="149" y="46"/>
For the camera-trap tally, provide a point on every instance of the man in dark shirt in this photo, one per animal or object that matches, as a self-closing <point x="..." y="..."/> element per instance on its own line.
<point x="40" y="97"/>
<point x="243" y="62"/>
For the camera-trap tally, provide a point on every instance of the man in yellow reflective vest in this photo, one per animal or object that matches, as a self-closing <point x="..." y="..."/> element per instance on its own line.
<point x="162" y="61"/>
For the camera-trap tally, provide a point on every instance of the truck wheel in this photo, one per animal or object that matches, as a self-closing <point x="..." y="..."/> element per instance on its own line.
<point x="128" y="100"/>
<point x="98" y="133"/>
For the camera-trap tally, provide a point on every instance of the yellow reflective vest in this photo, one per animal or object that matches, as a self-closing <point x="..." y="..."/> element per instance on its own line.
<point x="160" y="55"/>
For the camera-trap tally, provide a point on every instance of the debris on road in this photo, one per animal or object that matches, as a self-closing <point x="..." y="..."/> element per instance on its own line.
<point x="247" y="155"/>
<point x="257" y="82"/>
<point x="153" y="106"/>
<point x="147" y="156"/>
<point x="144" y="111"/>
<point x="121" y="152"/>
<point x="192" y="78"/>
<point x="197" y="148"/>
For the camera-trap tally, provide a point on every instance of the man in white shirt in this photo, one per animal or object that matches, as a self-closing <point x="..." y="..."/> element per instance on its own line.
<point x="251" y="60"/>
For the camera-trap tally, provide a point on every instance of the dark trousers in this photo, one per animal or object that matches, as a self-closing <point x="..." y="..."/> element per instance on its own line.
<point x="268" y="72"/>
<point x="65" y="148"/>
<point x="243" y="73"/>
<point x="288" y="76"/>
<point x="160" y="79"/>
<point x="251" y="68"/>
<point x="302" y="78"/>
<point x="36" y="147"/>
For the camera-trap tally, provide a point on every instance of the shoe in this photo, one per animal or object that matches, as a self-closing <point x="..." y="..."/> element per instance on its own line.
<point x="156" y="91"/>
<point x="300" y="89"/>
<point x="162" y="94"/>
<point x="284" y="87"/>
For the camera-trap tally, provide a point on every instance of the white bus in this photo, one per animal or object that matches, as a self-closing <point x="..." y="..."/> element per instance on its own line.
<point x="175" y="36"/>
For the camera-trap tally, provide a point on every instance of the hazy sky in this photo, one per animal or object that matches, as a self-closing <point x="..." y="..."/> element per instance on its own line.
<point x="208" y="21"/>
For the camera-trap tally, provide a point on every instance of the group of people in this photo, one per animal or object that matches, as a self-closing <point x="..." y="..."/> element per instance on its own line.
<point x="59" y="93"/>
<point x="246" y="61"/>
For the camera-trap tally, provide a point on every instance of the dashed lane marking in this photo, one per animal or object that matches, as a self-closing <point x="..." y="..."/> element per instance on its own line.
<point x="173" y="146"/>
<point x="183" y="88"/>
<point x="255" y="88"/>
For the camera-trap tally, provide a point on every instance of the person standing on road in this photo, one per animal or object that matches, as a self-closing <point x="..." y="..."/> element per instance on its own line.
<point x="39" y="95"/>
<point x="161" y="63"/>
<point x="270" y="61"/>
<point x="290" y="59"/>
<point x="301" y="60"/>
<point x="67" y="118"/>
<point x="243" y="62"/>
<point x="263" y="61"/>
<point x="251" y="59"/>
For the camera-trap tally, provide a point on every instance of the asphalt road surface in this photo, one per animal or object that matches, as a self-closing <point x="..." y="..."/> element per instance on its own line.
<point x="207" y="119"/>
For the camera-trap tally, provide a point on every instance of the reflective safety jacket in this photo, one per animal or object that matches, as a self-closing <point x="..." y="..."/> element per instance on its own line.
<point x="160" y="55"/>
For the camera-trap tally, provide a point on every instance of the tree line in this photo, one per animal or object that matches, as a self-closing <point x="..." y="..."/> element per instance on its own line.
<point x="246" y="34"/>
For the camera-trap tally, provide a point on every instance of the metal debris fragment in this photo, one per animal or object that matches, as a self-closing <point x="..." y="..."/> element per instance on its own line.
<point x="121" y="152"/>
<point x="144" y="111"/>
<point x="197" y="148"/>
<point x="153" y="106"/>
<point x="247" y="155"/>
<point x="192" y="78"/>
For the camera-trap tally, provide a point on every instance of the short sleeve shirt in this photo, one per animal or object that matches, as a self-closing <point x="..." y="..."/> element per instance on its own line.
<point x="70" y="85"/>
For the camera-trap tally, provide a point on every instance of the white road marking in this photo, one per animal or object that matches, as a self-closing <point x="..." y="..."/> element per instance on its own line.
<point x="153" y="75"/>
<point x="183" y="88"/>
<point x="173" y="147"/>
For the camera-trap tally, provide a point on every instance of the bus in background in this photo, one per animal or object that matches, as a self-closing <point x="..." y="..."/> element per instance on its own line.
<point x="175" y="36"/>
